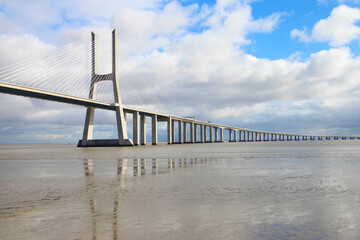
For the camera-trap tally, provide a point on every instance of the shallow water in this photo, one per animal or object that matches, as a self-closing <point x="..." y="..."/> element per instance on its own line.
<point x="287" y="190"/>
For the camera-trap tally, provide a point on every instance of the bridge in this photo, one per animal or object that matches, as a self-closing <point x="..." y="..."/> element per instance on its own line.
<point x="199" y="131"/>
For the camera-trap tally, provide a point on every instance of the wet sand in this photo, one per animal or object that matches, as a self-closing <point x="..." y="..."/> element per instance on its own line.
<point x="297" y="190"/>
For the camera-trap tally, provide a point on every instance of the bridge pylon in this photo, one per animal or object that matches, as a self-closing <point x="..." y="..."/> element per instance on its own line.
<point x="87" y="139"/>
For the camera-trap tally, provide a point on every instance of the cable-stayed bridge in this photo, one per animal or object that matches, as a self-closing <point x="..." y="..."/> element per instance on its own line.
<point x="63" y="76"/>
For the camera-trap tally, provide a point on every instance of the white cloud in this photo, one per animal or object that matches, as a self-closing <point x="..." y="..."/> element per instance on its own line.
<point x="203" y="72"/>
<point x="20" y="47"/>
<point x="338" y="29"/>
<point x="301" y="34"/>
<point x="143" y="30"/>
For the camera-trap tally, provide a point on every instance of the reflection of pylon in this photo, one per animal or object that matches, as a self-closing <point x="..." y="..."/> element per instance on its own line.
<point x="87" y="140"/>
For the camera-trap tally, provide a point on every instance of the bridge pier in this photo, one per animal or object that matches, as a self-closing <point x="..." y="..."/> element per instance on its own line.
<point x="170" y="130"/>
<point x="195" y="133"/>
<point x="180" y="131"/>
<point x="185" y="132"/>
<point x="154" y="129"/>
<point x="136" y="128"/>
<point x="202" y="132"/>
<point x="221" y="135"/>
<point x="191" y="132"/>
<point x="143" y="129"/>
<point x="205" y="134"/>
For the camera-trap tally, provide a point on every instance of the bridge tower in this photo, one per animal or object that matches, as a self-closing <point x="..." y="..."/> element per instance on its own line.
<point x="87" y="139"/>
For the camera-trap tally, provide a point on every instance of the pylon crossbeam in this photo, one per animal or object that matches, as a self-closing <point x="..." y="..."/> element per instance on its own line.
<point x="103" y="77"/>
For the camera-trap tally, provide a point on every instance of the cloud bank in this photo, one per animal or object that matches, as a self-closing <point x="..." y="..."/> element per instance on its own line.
<point x="191" y="60"/>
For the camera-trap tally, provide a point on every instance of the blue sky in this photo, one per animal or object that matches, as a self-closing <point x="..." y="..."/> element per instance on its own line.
<point x="274" y="65"/>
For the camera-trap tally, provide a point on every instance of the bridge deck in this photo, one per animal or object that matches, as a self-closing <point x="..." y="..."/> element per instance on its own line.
<point x="58" y="97"/>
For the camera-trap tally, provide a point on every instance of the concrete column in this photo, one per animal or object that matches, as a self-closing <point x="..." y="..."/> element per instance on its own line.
<point x="240" y="137"/>
<point x="136" y="128"/>
<point x="216" y="134"/>
<point x="221" y="134"/>
<point x="180" y="131"/>
<point x="89" y="124"/>
<point x="256" y="136"/>
<point x="248" y="136"/>
<point x="205" y="133"/>
<point x="211" y="134"/>
<point x="154" y="129"/>
<point x="195" y="133"/>
<point x="202" y="132"/>
<point x="230" y="135"/>
<point x="235" y="136"/>
<point x="170" y="130"/>
<point x="191" y="132"/>
<point x="142" y="129"/>
<point x="185" y="132"/>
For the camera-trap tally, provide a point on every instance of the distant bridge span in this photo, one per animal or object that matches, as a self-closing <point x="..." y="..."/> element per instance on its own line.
<point x="200" y="131"/>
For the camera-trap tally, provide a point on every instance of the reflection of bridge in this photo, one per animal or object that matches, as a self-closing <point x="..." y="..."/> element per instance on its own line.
<point x="140" y="167"/>
<point x="199" y="131"/>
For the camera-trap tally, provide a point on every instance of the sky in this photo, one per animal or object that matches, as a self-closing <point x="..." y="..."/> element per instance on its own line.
<point x="272" y="65"/>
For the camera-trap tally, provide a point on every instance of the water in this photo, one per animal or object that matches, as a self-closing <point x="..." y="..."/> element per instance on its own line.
<point x="287" y="190"/>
